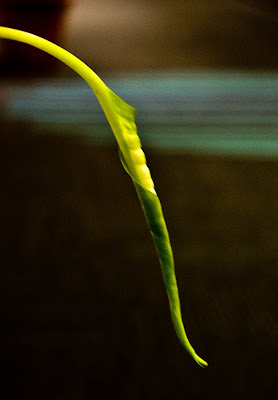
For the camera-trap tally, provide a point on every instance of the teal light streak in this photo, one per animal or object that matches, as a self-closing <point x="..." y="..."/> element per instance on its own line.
<point x="230" y="114"/>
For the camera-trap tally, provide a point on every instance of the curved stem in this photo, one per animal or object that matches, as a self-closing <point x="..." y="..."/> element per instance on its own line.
<point x="121" y="117"/>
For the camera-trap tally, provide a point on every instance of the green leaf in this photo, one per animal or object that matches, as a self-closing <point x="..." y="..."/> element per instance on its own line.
<point x="154" y="215"/>
<point x="121" y="117"/>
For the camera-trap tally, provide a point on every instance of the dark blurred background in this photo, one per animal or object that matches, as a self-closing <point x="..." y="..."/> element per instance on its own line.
<point x="84" y="313"/>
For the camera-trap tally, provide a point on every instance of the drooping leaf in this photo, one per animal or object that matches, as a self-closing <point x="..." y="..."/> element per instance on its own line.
<point x="121" y="117"/>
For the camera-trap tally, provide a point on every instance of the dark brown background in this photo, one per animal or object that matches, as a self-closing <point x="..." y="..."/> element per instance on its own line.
<point x="84" y="313"/>
<point x="115" y="35"/>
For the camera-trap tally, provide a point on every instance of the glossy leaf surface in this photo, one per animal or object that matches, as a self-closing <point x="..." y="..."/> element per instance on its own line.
<point x="121" y="117"/>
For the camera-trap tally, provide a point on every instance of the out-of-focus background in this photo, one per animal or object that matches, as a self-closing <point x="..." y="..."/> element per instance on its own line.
<point x="84" y="313"/>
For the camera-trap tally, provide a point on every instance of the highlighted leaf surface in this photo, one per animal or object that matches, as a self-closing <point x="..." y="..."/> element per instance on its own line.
<point x="121" y="117"/>
<point x="153" y="211"/>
